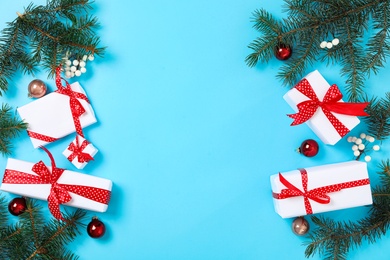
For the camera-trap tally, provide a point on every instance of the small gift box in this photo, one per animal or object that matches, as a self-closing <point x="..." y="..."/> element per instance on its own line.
<point x="57" y="186"/>
<point x="322" y="108"/>
<point x="57" y="114"/>
<point x="80" y="152"/>
<point x="320" y="189"/>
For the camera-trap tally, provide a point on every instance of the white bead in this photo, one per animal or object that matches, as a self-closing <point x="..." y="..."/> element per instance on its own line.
<point x="77" y="73"/>
<point x="82" y="63"/>
<point x="354" y="147"/>
<point x="73" y="68"/>
<point x="371" y="140"/>
<point x="362" y="135"/>
<point x="68" y="74"/>
<point x="367" y="158"/>
<point x="335" y="41"/>
<point x="361" y="147"/>
<point x="91" y="57"/>
<point x="358" y="141"/>
<point x="75" y="62"/>
<point x="323" y="44"/>
<point x="376" y="147"/>
<point x="68" y="62"/>
<point x="356" y="153"/>
<point x="329" y="45"/>
<point x="83" y="70"/>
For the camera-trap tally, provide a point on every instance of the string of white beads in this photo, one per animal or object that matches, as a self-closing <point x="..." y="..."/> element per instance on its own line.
<point x="75" y="67"/>
<point x="330" y="44"/>
<point x="362" y="145"/>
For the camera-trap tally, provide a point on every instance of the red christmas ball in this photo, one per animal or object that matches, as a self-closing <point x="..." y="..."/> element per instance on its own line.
<point x="96" y="228"/>
<point x="17" y="206"/>
<point x="283" y="51"/>
<point x="309" y="148"/>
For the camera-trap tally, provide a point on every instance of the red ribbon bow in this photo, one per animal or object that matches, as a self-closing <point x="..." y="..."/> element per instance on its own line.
<point x="77" y="151"/>
<point x="318" y="194"/>
<point x="329" y="104"/>
<point x="59" y="193"/>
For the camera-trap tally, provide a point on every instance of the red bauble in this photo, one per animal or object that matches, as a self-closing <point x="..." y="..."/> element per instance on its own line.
<point x="17" y="206"/>
<point x="283" y="51"/>
<point x="96" y="228"/>
<point x="309" y="148"/>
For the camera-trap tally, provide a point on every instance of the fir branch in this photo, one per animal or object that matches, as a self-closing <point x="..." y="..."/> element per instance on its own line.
<point x="10" y="127"/>
<point x="346" y="20"/>
<point x="42" y="35"/>
<point x="378" y="123"/>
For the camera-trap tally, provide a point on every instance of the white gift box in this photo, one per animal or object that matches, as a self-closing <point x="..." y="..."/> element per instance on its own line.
<point x="89" y="149"/>
<point x="51" y="116"/>
<point x="321" y="176"/>
<point x="42" y="191"/>
<point x="319" y="123"/>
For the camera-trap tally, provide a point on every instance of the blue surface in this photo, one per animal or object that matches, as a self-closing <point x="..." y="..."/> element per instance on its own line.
<point x="189" y="134"/>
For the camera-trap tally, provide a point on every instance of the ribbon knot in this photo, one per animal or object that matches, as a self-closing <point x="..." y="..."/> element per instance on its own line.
<point x="329" y="105"/>
<point x="77" y="151"/>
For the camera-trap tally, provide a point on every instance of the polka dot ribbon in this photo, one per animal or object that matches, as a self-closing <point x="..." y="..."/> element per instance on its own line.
<point x="318" y="194"/>
<point x="329" y="104"/>
<point x="77" y="151"/>
<point x="59" y="193"/>
<point x="76" y="107"/>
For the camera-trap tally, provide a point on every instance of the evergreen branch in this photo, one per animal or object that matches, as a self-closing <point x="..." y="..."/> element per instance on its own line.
<point x="10" y="127"/>
<point x="378" y="123"/>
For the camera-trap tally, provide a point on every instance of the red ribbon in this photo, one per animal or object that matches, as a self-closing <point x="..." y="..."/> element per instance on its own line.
<point x="59" y="193"/>
<point x="77" y="151"/>
<point x="329" y="104"/>
<point x="318" y="194"/>
<point x="76" y="107"/>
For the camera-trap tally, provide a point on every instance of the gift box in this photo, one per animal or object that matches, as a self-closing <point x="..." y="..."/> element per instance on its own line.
<point x="320" y="105"/>
<point x="58" y="186"/>
<point x="51" y="117"/>
<point x="321" y="189"/>
<point x="80" y="152"/>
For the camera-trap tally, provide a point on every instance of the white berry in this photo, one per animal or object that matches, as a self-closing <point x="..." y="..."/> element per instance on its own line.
<point x="354" y="147"/>
<point x="68" y="74"/>
<point x="362" y="135"/>
<point x="75" y="62"/>
<point x="335" y="41"/>
<point x="323" y="44"/>
<point x="376" y="147"/>
<point x="367" y="158"/>
<point x="83" y="70"/>
<point x="329" y="45"/>
<point x="356" y="153"/>
<point x="349" y="139"/>
<point x="91" y="57"/>
<point x="82" y="63"/>
<point x="354" y="139"/>
<point x="358" y="141"/>
<point x="77" y="73"/>
<point x="73" y="68"/>
<point x="85" y="57"/>
<point x="68" y="62"/>
<point x="371" y="140"/>
<point x="361" y="147"/>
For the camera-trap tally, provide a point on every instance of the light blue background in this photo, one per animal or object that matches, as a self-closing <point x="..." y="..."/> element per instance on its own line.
<point x="189" y="134"/>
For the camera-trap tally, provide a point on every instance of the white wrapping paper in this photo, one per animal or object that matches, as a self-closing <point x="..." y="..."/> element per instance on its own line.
<point x="89" y="149"/>
<point x="51" y="115"/>
<point x="319" y="123"/>
<point x="322" y="176"/>
<point x="42" y="191"/>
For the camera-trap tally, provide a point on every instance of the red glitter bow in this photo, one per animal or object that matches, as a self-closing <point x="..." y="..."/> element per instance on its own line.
<point x="77" y="151"/>
<point x="329" y="104"/>
<point x="318" y="194"/>
<point x="59" y="193"/>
